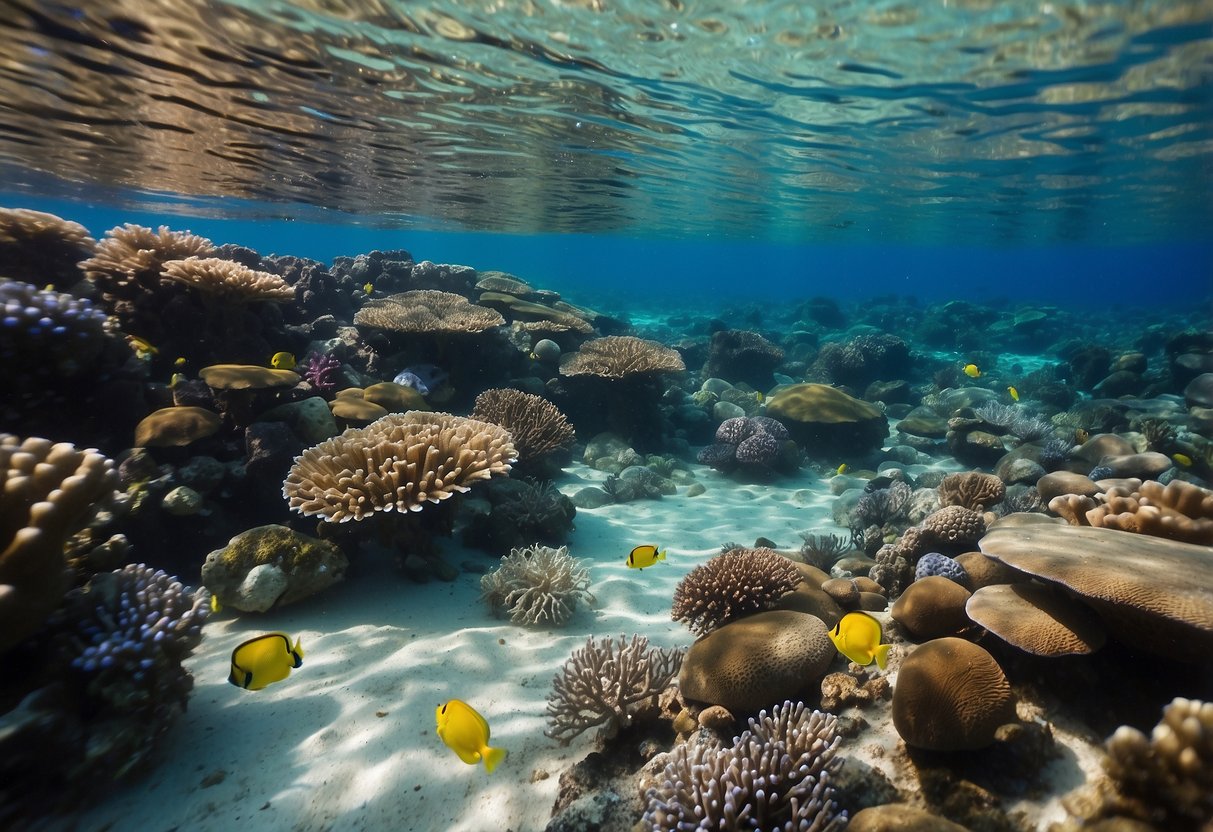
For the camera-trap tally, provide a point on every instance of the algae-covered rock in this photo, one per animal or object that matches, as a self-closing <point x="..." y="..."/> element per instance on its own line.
<point x="270" y="566"/>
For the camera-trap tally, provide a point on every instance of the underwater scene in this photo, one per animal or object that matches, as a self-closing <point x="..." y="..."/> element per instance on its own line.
<point x="606" y="416"/>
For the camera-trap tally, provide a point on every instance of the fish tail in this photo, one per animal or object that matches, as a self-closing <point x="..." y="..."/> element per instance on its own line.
<point x="660" y="555"/>
<point x="882" y="655"/>
<point x="298" y="651"/>
<point x="493" y="757"/>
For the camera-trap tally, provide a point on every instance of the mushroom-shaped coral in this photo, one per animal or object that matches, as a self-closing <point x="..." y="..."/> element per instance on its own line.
<point x="828" y="422"/>
<point x="1171" y="771"/>
<point x="607" y="683"/>
<point x="227" y="280"/>
<point x="38" y="247"/>
<point x="428" y="311"/>
<point x="175" y="426"/>
<point x="128" y="261"/>
<point x="1037" y="619"/>
<point x="537" y="585"/>
<point x="950" y="696"/>
<point x="776" y="775"/>
<point x="398" y="463"/>
<point x="536" y="425"/>
<point x="758" y="660"/>
<point x="47" y="490"/>
<point x="732" y="584"/>
<point x="972" y="490"/>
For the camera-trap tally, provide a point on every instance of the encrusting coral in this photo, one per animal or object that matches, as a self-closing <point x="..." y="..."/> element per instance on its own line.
<point x="606" y="683"/>
<point x="47" y="490"/>
<point x="732" y="584"/>
<point x="775" y="776"/>
<point x="1169" y="773"/>
<point x="397" y="463"/>
<point x="537" y="585"/>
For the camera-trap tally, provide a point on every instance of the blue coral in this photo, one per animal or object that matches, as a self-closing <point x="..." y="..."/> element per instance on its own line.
<point x="47" y="333"/>
<point x="933" y="563"/>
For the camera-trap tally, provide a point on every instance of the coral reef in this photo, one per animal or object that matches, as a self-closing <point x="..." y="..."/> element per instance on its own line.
<point x="537" y="585"/>
<point x="427" y="311"/>
<point x="864" y="358"/>
<point x="826" y="422"/>
<point x="1178" y="510"/>
<point x="620" y="356"/>
<point x="749" y="442"/>
<point x="972" y="490"/>
<point x="39" y="248"/>
<point x="742" y="356"/>
<point x="775" y="775"/>
<point x="227" y="281"/>
<point x="732" y="584"/>
<point x="607" y="683"/>
<point x="399" y="463"/>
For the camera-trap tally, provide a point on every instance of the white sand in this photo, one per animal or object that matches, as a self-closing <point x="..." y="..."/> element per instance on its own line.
<point x="348" y="741"/>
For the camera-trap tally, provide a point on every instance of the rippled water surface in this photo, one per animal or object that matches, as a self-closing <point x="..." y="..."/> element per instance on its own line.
<point x="975" y="120"/>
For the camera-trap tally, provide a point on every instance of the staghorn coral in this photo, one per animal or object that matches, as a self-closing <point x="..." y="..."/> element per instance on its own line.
<point x="734" y="583"/>
<point x="47" y="491"/>
<point x="1170" y="772"/>
<point x="40" y="247"/>
<point x="775" y="776"/>
<point x="605" y="684"/>
<point x="398" y="462"/>
<point x="227" y="280"/>
<point x="537" y="584"/>
<point x="429" y="311"/>
<point x="1178" y="510"/>
<point x="972" y="490"/>
<point x="537" y="426"/>
<point x="620" y="356"/>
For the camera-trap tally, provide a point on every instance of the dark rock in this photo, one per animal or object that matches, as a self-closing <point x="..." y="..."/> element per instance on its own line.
<point x="742" y="356"/>
<point x="1199" y="391"/>
<point x="1119" y="383"/>
<point x="270" y="448"/>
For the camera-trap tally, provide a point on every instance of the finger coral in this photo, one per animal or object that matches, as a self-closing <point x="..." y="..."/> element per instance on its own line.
<point x="605" y="683"/>
<point x="537" y="585"/>
<point x="1178" y="510"/>
<point x="775" y="776"/>
<point x="397" y="463"/>
<point x="737" y="582"/>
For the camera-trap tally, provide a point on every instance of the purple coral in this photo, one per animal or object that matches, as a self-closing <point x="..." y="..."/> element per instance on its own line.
<point x="733" y="431"/>
<point x="933" y="563"/>
<point x="751" y="441"/>
<point x="320" y="371"/>
<point x="759" y="449"/>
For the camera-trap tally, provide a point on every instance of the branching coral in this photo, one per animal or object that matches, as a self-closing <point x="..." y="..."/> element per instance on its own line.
<point x="822" y="550"/>
<point x="775" y="776"/>
<point x="227" y="280"/>
<point x="398" y="463"/>
<point x="537" y="584"/>
<point x="620" y="356"/>
<point x="606" y="684"/>
<point x="882" y="506"/>
<point x="1179" y="510"/>
<point x="731" y="584"/>
<point x="536" y="425"/>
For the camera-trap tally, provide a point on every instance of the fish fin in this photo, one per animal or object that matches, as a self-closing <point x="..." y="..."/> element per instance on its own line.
<point x="469" y="757"/>
<point x="493" y="757"/>
<point x="882" y="655"/>
<point x="297" y="652"/>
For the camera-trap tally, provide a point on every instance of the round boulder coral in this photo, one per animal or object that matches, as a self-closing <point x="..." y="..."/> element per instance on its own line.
<point x="951" y="696"/>
<point x="758" y="661"/>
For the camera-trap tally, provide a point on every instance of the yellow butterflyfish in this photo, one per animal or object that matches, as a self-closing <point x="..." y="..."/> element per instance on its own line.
<point x="179" y="361"/>
<point x="215" y="605"/>
<point x="842" y="469"/>
<point x="144" y="350"/>
<point x="175" y="379"/>
<point x="466" y="732"/>
<point x="972" y="371"/>
<point x="857" y="636"/>
<point x="1013" y="393"/>
<point x="1182" y="460"/>
<point x="283" y="361"/>
<point x="368" y="287"/>
<point x="643" y="556"/>
<point x="263" y="660"/>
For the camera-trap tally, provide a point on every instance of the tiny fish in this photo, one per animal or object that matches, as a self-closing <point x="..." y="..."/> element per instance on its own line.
<point x="263" y="660"/>
<point x="643" y="556"/>
<point x="466" y="732"/>
<point x="972" y="371"/>
<point x="1081" y="435"/>
<point x="842" y="469"/>
<point x="857" y="636"/>
<point x="368" y="287"/>
<point x="175" y="379"/>
<point x="215" y="605"/>
<point x="1013" y="393"/>
<point x="283" y="361"/>
<point x="758" y="397"/>
<point x="1182" y="460"/>
<point x="179" y="361"/>
<point x="143" y="349"/>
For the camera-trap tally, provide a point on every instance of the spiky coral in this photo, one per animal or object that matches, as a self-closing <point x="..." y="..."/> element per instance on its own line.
<point x="537" y="584"/>
<point x="734" y="583"/>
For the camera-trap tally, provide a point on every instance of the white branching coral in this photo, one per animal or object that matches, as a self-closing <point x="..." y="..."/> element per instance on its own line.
<point x="537" y="584"/>
<point x="606" y="684"/>
<point x="775" y="776"/>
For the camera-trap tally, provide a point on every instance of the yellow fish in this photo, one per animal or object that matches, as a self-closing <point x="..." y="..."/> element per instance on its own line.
<point x="175" y="379"/>
<point x="1081" y="435"/>
<point x="283" y="361"/>
<point x="368" y="287"/>
<point x="643" y="556"/>
<point x="264" y="660"/>
<point x="857" y="636"/>
<point x="143" y="349"/>
<point x="758" y="397"/>
<point x="972" y="371"/>
<point x="841" y="469"/>
<point x="179" y="361"/>
<point x="1013" y="393"/>
<point x="1182" y="460"/>
<point x="467" y="734"/>
<point x="215" y="605"/>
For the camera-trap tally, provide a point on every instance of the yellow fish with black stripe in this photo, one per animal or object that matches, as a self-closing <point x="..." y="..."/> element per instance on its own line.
<point x="263" y="660"/>
<point x="857" y="636"/>
<point x="466" y="733"/>
<point x="643" y="556"/>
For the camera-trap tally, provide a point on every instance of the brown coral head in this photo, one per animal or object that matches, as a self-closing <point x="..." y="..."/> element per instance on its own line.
<point x="228" y="280"/>
<point x="951" y="696"/>
<point x="973" y="490"/>
<point x="955" y="525"/>
<point x="397" y="463"/>
<point x="735" y="583"/>
<point x="621" y="356"/>
<point x="1037" y="619"/>
<point x="175" y="426"/>
<point x="427" y="311"/>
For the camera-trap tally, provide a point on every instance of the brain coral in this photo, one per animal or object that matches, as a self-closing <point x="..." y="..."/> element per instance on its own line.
<point x="756" y="661"/>
<point x="735" y="583"/>
<point x="396" y="463"/>
<point x="972" y="490"/>
<point x="951" y="695"/>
